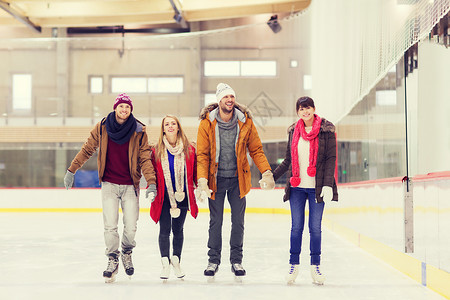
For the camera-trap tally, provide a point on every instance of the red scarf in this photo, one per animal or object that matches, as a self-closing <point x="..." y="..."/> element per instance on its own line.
<point x="313" y="138"/>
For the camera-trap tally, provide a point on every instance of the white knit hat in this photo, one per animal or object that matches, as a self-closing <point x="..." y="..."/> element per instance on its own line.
<point x="223" y="89"/>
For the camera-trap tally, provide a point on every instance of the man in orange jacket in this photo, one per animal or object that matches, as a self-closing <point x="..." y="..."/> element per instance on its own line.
<point x="225" y="133"/>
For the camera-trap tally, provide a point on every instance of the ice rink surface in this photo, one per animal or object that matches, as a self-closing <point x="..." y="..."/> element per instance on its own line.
<point x="61" y="256"/>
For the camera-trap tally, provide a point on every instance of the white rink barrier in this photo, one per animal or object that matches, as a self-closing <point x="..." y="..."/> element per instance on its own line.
<point x="89" y="200"/>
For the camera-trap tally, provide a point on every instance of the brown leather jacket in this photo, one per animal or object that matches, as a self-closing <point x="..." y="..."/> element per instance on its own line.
<point x="139" y="154"/>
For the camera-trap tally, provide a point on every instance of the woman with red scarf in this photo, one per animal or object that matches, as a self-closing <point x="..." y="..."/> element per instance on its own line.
<point x="310" y="160"/>
<point x="175" y="163"/>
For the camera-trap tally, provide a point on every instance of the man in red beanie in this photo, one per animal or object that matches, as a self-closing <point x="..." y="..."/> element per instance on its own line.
<point x="123" y="152"/>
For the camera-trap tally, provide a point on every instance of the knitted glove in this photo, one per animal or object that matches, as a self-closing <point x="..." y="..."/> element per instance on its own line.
<point x="150" y="193"/>
<point x="198" y="194"/>
<point x="327" y="193"/>
<point x="267" y="182"/>
<point x="68" y="180"/>
<point x="203" y="189"/>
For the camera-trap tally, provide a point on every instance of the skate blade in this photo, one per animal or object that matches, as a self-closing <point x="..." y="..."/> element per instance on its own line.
<point x="317" y="282"/>
<point x="110" y="280"/>
<point x="210" y="279"/>
<point x="238" y="279"/>
<point x="290" y="282"/>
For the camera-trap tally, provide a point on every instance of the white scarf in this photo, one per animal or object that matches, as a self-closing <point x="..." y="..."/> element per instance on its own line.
<point x="178" y="153"/>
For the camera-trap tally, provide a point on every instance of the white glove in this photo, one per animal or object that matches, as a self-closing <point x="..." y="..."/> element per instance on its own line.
<point x="150" y="193"/>
<point x="203" y="189"/>
<point x="198" y="194"/>
<point x="267" y="182"/>
<point x="327" y="193"/>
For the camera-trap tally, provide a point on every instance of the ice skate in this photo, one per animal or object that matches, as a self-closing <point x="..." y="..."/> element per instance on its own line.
<point x="293" y="273"/>
<point x="238" y="271"/>
<point x="165" y="272"/>
<point x="317" y="276"/>
<point x="111" y="270"/>
<point x="211" y="271"/>
<point x="176" y="267"/>
<point x="128" y="263"/>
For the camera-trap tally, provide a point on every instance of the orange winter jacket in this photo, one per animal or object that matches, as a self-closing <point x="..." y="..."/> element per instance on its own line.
<point x="138" y="152"/>
<point x="208" y="154"/>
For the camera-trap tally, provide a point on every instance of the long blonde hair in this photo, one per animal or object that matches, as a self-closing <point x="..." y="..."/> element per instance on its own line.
<point x="160" y="147"/>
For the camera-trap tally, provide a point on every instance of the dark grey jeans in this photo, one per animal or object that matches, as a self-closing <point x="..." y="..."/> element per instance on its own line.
<point x="230" y="188"/>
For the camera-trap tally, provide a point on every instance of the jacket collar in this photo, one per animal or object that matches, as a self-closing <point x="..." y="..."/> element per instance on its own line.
<point x="210" y="111"/>
<point x="214" y="112"/>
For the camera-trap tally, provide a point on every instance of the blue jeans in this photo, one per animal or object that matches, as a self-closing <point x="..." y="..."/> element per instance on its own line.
<point x="298" y="198"/>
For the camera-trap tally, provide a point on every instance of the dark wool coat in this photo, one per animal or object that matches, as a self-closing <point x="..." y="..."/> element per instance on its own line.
<point x="326" y="161"/>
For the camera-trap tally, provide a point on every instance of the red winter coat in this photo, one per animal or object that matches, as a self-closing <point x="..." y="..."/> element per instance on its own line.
<point x="190" y="175"/>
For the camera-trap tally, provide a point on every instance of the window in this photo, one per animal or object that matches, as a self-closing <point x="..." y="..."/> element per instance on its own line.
<point x="21" y="91"/>
<point x="258" y="68"/>
<point x="210" y="98"/>
<point x="244" y="68"/>
<point x="222" y="68"/>
<point x="307" y="82"/>
<point x="145" y="85"/>
<point x="386" y="97"/>
<point x="166" y="85"/>
<point x="96" y="84"/>
<point x="128" y="85"/>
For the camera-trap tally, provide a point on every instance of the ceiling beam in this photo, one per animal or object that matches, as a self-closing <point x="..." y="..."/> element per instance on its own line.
<point x="19" y="16"/>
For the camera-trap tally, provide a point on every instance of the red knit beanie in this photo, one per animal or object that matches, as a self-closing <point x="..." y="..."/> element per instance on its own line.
<point x="123" y="98"/>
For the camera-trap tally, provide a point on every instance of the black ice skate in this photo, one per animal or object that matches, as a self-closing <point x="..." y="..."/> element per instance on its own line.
<point x="238" y="271"/>
<point x="111" y="270"/>
<point x="127" y="263"/>
<point x="211" y="271"/>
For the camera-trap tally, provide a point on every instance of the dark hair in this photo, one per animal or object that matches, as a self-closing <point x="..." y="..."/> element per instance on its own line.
<point x="304" y="102"/>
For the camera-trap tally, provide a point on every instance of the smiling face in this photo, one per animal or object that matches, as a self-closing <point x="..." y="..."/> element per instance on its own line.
<point x="227" y="103"/>
<point x="170" y="128"/>
<point x="123" y="112"/>
<point x="306" y="114"/>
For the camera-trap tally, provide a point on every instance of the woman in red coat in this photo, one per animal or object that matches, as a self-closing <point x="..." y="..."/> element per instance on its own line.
<point x="175" y="163"/>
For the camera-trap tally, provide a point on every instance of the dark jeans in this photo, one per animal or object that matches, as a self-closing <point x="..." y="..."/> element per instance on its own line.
<point x="229" y="187"/>
<point x="298" y="198"/>
<point x="166" y="224"/>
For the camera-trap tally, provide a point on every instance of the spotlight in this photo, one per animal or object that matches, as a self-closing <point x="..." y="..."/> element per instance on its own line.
<point x="273" y="24"/>
<point x="178" y="17"/>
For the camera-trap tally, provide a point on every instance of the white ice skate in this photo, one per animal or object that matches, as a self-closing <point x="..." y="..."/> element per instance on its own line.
<point x="165" y="272"/>
<point x="293" y="273"/>
<point x="111" y="270"/>
<point x="317" y="276"/>
<point x="176" y="267"/>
